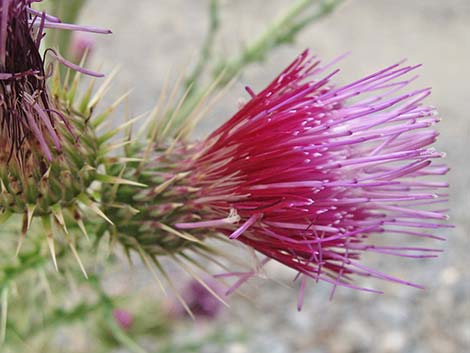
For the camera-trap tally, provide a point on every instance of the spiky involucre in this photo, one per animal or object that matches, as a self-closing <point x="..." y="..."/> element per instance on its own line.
<point x="143" y="220"/>
<point x="151" y="211"/>
<point x="143" y="217"/>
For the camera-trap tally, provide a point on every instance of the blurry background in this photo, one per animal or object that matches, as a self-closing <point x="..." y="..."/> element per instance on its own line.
<point x="154" y="37"/>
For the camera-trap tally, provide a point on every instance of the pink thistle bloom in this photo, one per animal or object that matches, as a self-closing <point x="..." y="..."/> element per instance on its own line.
<point x="306" y="172"/>
<point x="123" y="318"/>
<point x="27" y="117"/>
<point x="199" y="300"/>
<point x="81" y="44"/>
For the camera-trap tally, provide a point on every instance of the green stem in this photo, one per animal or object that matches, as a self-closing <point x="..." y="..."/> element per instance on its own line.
<point x="206" y="50"/>
<point x="4" y="311"/>
<point x="281" y="31"/>
<point x="118" y="333"/>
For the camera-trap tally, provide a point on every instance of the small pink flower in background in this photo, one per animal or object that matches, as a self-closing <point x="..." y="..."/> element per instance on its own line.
<point x="123" y="318"/>
<point x="81" y="44"/>
<point x="309" y="174"/>
<point x="199" y="300"/>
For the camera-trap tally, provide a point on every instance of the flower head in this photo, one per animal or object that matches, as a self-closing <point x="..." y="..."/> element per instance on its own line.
<point x="28" y="117"/>
<point x="49" y="148"/>
<point x="81" y="45"/>
<point x="306" y="172"/>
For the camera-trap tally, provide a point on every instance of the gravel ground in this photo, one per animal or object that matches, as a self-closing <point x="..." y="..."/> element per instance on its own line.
<point x="152" y="37"/>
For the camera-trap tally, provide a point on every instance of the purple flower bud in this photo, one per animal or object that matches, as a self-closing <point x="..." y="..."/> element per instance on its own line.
<point x="199" y="300"/>
<point x="81" y="44"/>
<point x="124" y="318"/>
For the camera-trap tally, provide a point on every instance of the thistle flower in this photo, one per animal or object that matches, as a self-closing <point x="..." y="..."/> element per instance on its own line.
<point x="199" y="300"/>
<point x="81" y="45"/>
<point x="49" y="150"/>
<point x="309" y="174"/>
<point x="123" y="318"/>
<point x="28" y="117"/>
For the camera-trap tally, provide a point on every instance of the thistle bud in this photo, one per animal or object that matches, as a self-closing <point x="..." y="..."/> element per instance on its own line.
<point x="49" y="151"/>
